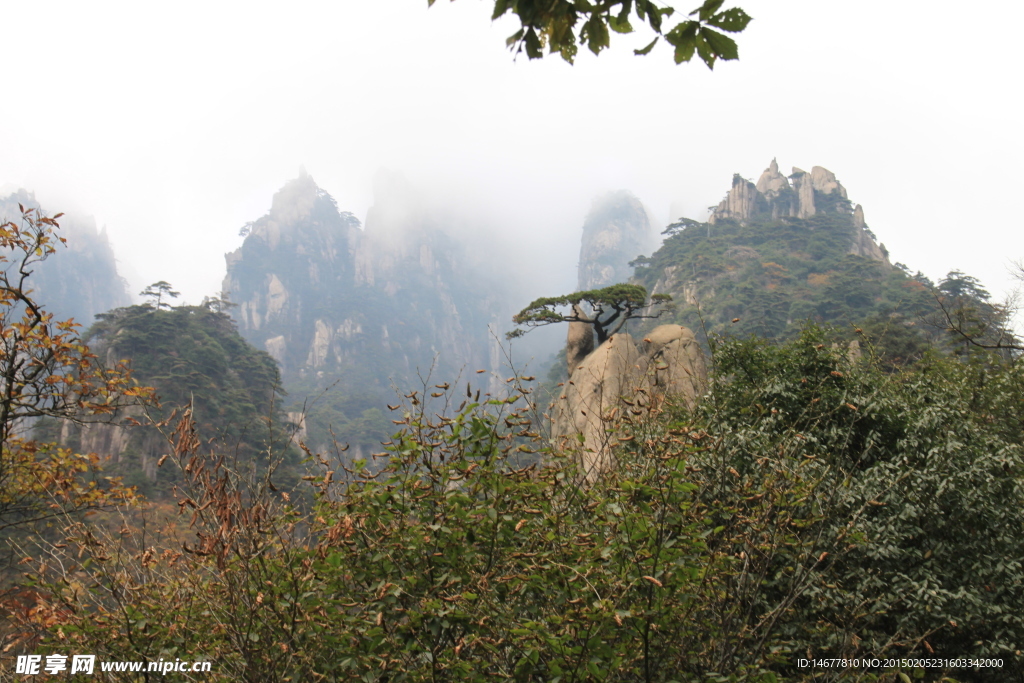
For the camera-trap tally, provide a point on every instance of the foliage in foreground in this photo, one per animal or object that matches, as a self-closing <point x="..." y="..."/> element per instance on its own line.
<point x="919" y="485"/>
<point x="810" y="506"/>
<point x="46" y="372"/>
<point x="563" y="25"/>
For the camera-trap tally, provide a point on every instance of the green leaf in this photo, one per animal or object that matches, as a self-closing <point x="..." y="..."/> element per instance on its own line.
<point x="684" y="38"/>
<point x="647" y="49"/>
<point x="568" y="52"/>
<point x="515" y="37"/>
<point x="704" y="50"/>
<point x="708" y="9"/>
<point x="500" y="7"/>
<point x="732" y="20"/>
<point x="598" y="34"/>
<point x="620" y="25"/>
<point x="533" y="46"/>
<point x="722" y="45"/>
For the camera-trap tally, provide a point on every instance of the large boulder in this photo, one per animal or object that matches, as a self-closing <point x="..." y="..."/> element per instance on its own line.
<point x="675" y="363"/>
<point x="579" y="342"/>
<point x="592" y="396"/>
<point x="620" y="376"/>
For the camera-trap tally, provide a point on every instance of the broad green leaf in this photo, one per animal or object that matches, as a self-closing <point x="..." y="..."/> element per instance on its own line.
<point x="732" y="20"/>
<point x="684" y="37"/>
<point x="598" y="37"/>
<point x="722" y="45"/>
<point x="704" y="50"/>
<point x="568" y="51"/>
<point x="514" y="38"/>
<point x="647" y="49"/>
<point x="708" y="9"/>
<point x="620" y="25"/>
<point x="627" y="6"/>
<point x="533" y="46"/>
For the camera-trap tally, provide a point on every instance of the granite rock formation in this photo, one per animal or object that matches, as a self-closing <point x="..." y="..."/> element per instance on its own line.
<point x="619" y="376"/>
<point x="615" y="232"/>
<point x="371" y="309"/>
<point x="774" y="197"/>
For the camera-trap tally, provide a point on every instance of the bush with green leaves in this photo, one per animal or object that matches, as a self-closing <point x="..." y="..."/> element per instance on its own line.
<point x="453" y="562"/>
<point x="918" y="486"/>
<point x="811" y="505"/>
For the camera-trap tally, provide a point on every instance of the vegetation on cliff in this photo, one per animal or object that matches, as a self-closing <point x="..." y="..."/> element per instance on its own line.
<point x="771" y="277"/>
<point x="193" y="356"/>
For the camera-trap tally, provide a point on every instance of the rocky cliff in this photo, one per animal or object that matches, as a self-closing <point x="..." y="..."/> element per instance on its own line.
<point x="80" y="280"/>
<point x="332" y="302"/>
<point x="615" y="232"/>
<point x="775" y="254"/>
<point x="774" y="197"/>
<point x="621" y="376"/>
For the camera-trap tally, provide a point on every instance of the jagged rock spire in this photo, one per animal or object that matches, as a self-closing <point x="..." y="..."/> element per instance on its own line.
<point x="773" y="193"/>
<point x="798" y="196"/>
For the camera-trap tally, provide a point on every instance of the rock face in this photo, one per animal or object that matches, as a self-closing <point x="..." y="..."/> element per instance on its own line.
<point x="620" y="376"/>
<point x="615" y="232"/>
<point x="676" y="362"/>
<point x="111" y="440"/>
<point x="579" y="342"/>
<point x="329" y="300"/>
<point x="80" y="280"/>
<point x="774" y="197"/>
<point x="743" y="202"/>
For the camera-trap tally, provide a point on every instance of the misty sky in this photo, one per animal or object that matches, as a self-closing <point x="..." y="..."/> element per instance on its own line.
<point x="174" y="123"/>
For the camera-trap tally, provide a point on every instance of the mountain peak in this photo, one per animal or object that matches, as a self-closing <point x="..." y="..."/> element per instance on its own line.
<point x="773" y="195"/>
<point x="294" y="201"/>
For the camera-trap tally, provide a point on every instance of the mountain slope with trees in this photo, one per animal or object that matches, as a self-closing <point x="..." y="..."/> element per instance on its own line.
<point x="192" y="356"/>
<point x="775" y="256"/>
